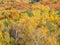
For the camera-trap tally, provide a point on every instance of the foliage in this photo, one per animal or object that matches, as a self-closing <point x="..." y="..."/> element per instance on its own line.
<point x="29" y="24"/>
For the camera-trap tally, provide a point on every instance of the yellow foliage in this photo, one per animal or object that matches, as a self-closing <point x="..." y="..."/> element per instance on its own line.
<point x="28" y="24"/>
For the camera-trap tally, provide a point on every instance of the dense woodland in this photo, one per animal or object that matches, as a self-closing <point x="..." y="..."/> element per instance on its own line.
<point x="29" y="22"/>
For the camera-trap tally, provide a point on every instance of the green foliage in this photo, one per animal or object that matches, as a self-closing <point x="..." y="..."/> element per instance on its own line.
<point x="3" y="14"/>
<point x="6" y="23"/>
<point x="1" y="2"/>
<point x="13" y="41"/>
<point x="33" y="1"/>
<point x="30" y="14"/>
<point x="37" y="0"/>
<point x="58" y="13"/>
<point x="49" y="26"/>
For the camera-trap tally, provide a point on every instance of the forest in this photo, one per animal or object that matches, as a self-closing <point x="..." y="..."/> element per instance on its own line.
<point x="29" y="22"/>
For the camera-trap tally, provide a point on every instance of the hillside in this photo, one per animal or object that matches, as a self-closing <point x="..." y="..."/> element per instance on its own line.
<point x="29" y="22"/>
